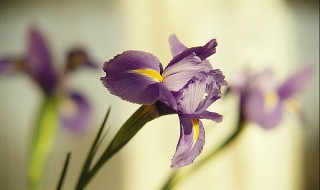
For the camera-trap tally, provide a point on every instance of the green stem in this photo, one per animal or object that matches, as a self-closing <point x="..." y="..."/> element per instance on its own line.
<point x="142" y="116"/>
<point x="178" y="176"/>
<point x="42" y="141"/>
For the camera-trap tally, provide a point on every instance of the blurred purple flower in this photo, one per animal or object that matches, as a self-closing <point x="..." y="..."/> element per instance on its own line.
<point x="78" y="57"/>
<point x="262" y="100"/>
<point x="37" y="64"/>
<point x="188" y="85"/>
<point x="76" y="111"/>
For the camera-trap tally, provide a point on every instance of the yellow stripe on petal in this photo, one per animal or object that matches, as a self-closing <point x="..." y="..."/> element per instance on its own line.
<point x="195" y="125"/>
<point x="150" y="73"/>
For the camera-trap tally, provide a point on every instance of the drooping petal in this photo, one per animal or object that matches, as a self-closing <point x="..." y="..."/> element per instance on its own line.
<point x="75" y="112"/>
<point x="133" y="76"/>
<point x="176" y="46"/>
<point x="77" y="58"/>
<point x="6" y="66"/>
<point x="179" y="74"/>
<point x="190" y="143"/>
<point x="12" y="65"/>
<point x="202" y="52"/>
<point x="295" y="83"/>
<point x="257" y="110"/>
<point x="39" y="62"/>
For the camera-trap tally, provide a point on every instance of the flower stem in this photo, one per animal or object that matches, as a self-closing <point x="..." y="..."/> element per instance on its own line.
<point x="42" y="142"/>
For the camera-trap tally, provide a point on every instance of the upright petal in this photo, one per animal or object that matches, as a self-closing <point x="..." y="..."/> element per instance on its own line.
<point x="39" y="62"/>
<point x="295" y="83"/>
<point x="75" y="112"/>
<point x="179" y="74"/>
<point x="202" y="52"/>
<point x="190" y="143"/>
<point x="176" y="46"/>
<point x="133" y="76"/>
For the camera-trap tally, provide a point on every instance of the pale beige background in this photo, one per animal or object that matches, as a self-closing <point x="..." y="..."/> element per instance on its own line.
<point x="260" y="33"/>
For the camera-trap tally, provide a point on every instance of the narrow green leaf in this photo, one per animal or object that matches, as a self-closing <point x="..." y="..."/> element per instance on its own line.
<point x="64" y="171"/>
<point x="142" y="116"/>
<point x="42" y="141"/>
<point x="93" y="149"/>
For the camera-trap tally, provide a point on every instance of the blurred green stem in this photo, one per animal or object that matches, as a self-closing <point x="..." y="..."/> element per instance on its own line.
<point x="179" y="175"/>
<point x="42" y="140"/>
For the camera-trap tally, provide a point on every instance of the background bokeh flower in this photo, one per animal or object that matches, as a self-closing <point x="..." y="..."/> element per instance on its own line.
<point x="60" y="105"/>
<point x="263" y="100"/>
<point x="75" y="111"/>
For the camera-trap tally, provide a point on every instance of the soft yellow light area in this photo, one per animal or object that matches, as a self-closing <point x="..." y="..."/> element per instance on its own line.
<point x="195" y="125"/>
<point x="67" y="107"/>
<point x="271" y="99"/>
<point x="292" y="105"/>
<point x="150" y="73"/>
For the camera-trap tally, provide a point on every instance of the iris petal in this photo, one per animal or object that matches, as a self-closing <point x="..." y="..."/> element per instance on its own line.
<point x="167" y="97"/>
<point x="190" y="143"/>
<point x="75" y="112"/>
<point x="176" y="46"/>
<point x="295" y="83"/>
<point x="77" y="58"/>
<point x="207" y="115"/>
<point x="202" y="52"/>
<point x="200" y="92"/>
<point x="192" y="95"/>
<point x="6" y="66"/>
<point x="131" y="76"/>
<point x="179" y="74"/>
<point x="39" y="62"/>
<point x="214" y="81"/>
<point x="256" y="110"/>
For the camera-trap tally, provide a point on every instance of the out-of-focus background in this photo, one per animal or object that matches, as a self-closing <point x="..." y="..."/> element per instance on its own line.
<point x="282" y="35"/>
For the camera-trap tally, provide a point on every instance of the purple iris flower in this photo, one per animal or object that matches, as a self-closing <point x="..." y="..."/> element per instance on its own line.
<point x="262" y="100"/>
<point x="188" y="85"/>
<point x="37" y="64"/>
